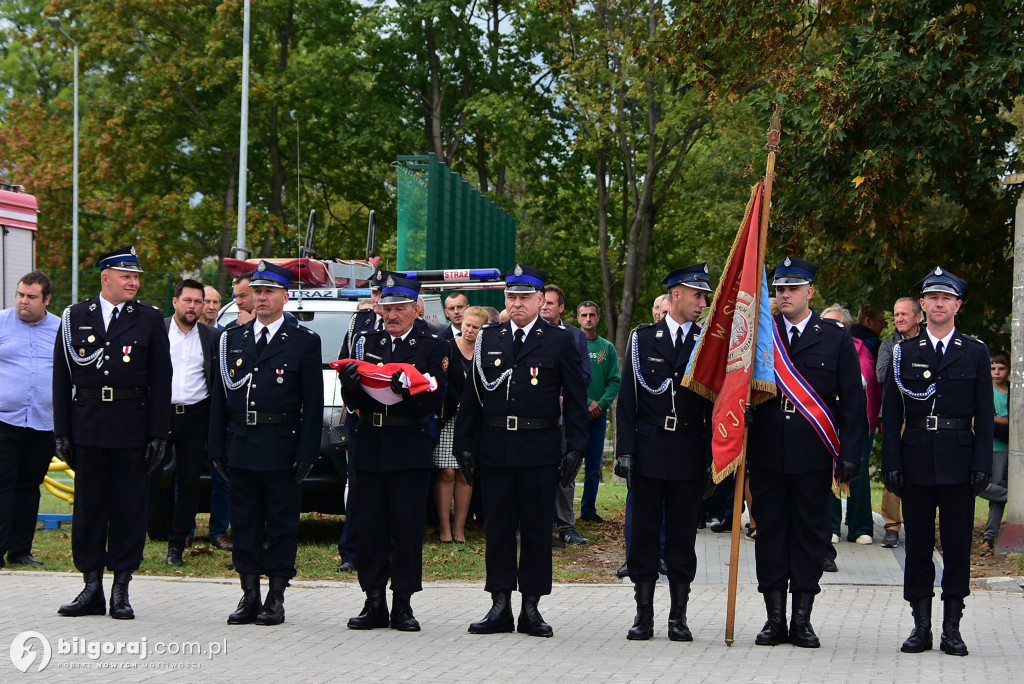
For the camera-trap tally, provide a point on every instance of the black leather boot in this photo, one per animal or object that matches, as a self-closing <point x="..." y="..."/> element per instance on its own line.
<point x="402" y="618"/>
<point x="800" y="631"/>
<point x="499" y="618"/>
<point x="375" y="612"/>
<point x="273" y="607"/>
<point x="951" y="643"/>
<point x="920" y="638"/>
<point x="530" y="620"/>
<point x="90" y="601"/>
<point x="774" y="631"/>
<point x="120" y="609"/>
<point x="643" y="623"/>
<point x="677" y="629"/>
<point x="250" y="603"/>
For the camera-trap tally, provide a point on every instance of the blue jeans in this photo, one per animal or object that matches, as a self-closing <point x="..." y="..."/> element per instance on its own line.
<point x="219" y="515"/>
<point x="592" y="466"/>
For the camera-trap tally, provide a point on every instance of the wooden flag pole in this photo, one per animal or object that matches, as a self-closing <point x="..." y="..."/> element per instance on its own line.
<point x="774" y="129"/>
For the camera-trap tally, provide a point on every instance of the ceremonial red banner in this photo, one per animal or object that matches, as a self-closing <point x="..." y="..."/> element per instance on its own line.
<point x="725" y="362"/>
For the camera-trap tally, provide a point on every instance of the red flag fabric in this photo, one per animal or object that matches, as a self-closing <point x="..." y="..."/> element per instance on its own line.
<point x="722" y="367"/>
<point x="376" y="380"/>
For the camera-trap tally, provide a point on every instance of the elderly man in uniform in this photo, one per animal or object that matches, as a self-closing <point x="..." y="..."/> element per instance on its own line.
<point x="664" y="451"/>
<point x="265" y="433"/>
<point x="509" y="424"/>
<point x="791" y="467"/>
<point x="393" y="456"/>
<point x="114" y="353"/>
<point x="938" y="422"/>
<point x="362" y="321"/>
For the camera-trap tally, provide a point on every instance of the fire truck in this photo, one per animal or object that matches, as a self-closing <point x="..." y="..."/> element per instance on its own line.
<point x="18" y="217"/>
<point x="323" y="296"/>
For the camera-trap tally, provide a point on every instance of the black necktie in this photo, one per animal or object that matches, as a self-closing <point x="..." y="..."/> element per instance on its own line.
<point x="396" y="342"/>
<point x="261" y="343"/>
<point x="938" y="350"/>
<point x="113" y="318"/>
<point x="517" y="344"/>
<point x="380" y="323"/>
<point x="795" y="338"/>
<point x="679" y="343"/>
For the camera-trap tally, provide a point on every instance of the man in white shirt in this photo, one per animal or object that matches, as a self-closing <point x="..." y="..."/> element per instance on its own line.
<point x="193" y="349"/>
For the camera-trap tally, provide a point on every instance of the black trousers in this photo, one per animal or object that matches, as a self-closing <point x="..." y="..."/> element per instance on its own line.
<point x="391" y="521"/>
<point x="793" y="528"/>
<point x="265" y="501"/>
<point x="956" y="527"/>
<point x="349" y="539"/>
<point x="108" y="525"/>
<point x="24" y="459"/>
<point x="189" y="432"/>
<point x="680" y="501"/>
<point x="523" y="500"/>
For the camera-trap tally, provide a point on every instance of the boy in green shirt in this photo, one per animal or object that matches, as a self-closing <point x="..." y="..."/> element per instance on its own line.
<point x="603" y="388"/>
<point x="996" y="490"/>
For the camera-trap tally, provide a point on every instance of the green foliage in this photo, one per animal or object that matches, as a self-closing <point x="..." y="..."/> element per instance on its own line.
<point x="622" y="136"/>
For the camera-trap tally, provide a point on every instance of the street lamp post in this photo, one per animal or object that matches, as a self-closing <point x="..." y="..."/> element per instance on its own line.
<point x="55" y="22"/>
<point x="1012" y="536"/>
<point x="243" y="135"/>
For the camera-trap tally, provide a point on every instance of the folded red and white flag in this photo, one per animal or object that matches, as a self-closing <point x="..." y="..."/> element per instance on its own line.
<point x="376" y="380"/>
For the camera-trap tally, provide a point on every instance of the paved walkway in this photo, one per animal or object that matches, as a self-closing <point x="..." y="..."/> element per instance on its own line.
<point x="861" y="620"/>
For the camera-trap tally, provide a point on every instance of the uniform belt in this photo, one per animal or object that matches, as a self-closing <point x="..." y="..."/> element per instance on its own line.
<point x="671" y="423"/>
<point x="182" y="409"/>
<point x="111" y="393"/>
<point x="785" y="405"/>
<point x="517" y="423"/>
<point x="935" y="423"/>
<point x="261" y="418"/>
<point x="382" y="419"/>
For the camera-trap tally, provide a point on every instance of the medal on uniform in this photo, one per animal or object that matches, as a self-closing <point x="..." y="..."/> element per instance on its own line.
<point x="239" y="362"/>
<point x="280" y="374"/>
<point x="127" y="353"/>
<point x="81" y="352"/>
<point x="231" y="372"/>
<point x="92" y="338"/>
<point x="927" y="374"/>
<point x="533" y="372"/>
<point x="497" y="362"/>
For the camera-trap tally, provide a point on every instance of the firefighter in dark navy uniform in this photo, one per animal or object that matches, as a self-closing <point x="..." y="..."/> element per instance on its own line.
<point x="115" y="353"/>
<point x="937" y="419"/>
<point x="509" y="423"/>
<point x="265" y="424"/>
<point x="362" y="321"/>
<point x="791" y="468"/>
<point x="393" y="457"/>
<point x="663" y="449"/>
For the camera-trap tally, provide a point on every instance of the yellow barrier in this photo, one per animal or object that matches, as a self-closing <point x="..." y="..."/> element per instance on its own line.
<point x="60" y="489"/>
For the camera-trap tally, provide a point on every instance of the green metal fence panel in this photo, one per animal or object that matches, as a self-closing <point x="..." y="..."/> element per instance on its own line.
<point x="443" y="223"/>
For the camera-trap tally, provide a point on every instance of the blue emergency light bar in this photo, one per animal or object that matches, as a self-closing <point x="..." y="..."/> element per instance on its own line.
<point x="453" y="275"/>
